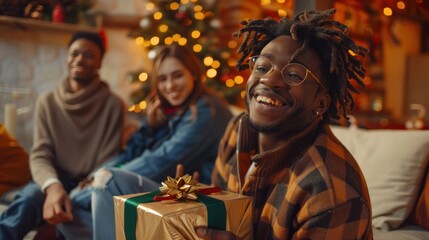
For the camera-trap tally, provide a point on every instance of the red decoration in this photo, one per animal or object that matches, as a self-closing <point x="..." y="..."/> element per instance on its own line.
<point x="58" y="13"/>
<point x="226" y="77"/>
<point x="181" y="16"/>
<point x="102" y="34"/>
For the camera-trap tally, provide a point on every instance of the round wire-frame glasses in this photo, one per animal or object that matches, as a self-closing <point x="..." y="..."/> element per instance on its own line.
<point x="293" y="73"/>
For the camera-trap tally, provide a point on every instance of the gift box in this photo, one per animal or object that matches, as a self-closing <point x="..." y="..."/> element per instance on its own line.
<point x="177" y="219"/>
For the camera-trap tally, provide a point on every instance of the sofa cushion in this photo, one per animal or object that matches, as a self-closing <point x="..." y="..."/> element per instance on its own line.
<point x="408" y="232"/>
<point x="393" y="163"/>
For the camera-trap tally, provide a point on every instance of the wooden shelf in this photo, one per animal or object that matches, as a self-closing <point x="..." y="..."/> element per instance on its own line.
<point x="121" y="21"/>
<point x="27" y="24"/>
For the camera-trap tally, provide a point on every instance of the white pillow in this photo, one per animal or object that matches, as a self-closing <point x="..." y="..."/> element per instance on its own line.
<point x="393" y="163"/>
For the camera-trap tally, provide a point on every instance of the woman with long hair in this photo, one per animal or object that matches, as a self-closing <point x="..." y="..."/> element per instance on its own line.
<point x="183" y="124"/>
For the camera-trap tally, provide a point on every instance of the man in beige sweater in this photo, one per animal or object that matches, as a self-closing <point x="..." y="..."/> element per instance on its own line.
<point x="78" y="126"/>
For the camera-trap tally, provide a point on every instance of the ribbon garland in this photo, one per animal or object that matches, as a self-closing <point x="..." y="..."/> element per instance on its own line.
<point x="179" y="189"/>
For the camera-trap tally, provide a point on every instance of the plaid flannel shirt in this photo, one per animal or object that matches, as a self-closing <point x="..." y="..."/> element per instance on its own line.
<point x="309" y="188"/>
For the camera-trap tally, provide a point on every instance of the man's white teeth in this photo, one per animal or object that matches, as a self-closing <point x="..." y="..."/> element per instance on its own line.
<point x="269" y="101"/>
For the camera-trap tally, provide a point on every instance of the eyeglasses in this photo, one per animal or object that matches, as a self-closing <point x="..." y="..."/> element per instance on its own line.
<point x="293" y="73"/>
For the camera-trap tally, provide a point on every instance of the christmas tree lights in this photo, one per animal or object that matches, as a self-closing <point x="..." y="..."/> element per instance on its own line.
<point x="192" y="23"/>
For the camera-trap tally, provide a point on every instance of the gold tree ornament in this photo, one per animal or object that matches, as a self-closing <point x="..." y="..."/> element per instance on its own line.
<point x="182" y="188"/>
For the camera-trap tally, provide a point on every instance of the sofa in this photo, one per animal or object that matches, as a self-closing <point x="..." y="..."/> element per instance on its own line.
<point x="395" y="165"/>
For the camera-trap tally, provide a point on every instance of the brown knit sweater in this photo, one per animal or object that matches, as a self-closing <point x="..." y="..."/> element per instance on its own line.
<point x="75" y="132"/>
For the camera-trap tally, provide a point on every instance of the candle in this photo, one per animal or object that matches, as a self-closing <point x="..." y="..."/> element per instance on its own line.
<point x="10" y="118"/>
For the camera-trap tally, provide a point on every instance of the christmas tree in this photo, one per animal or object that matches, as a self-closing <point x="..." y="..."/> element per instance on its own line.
<point x="196" y="24"/>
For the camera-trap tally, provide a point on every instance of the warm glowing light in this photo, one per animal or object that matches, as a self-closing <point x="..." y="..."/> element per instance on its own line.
<point x="137" y="108"/>
<point x="143" y="104"/>
<point x="198" y="8"/>
<point x="182" y="41"/>
<point x="211" y="73"/>
<point x="196" y="34"/>
<point x="377" y="104"/>
<point x="154" y="41"/>
<point x="208" y="61"/>
<point x="231" y="62"/>
<point x="265" y="2"/>
<point x="168" y="40"/>
<point x="131" y="108"/>
<point x="157" y="15"/>
<point x="143" y="77"/>
<point x="174" y="5"/>
<point x="243" y="94"/>
<point x="238" y="79"/>
<point x="229" y="83"/>
<point x="400" y="5"/>
<point x="197" y="48"/>
<point x="281" y="13"/>
<point x="215" y="64"/>
<point x="146" y="44"/>
<point x="176" y="37"/>
<point x="232" y="44"/>
<point x="139" y="40"/>
<point x="352" y="53"/>
<point x="225" y="55"/>
<point x="184" y="1"/>
<point x="281" y="1"/>
<point x="150" y="6"/>
<point x="163" y="28"/>
<point x="387" y="11"/>
<point x="199" y="15"/>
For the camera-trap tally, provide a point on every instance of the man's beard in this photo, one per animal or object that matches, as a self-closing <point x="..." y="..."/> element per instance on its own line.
<point x="86" y="80"/>
<point x="259" y="128"/>
<point x="263" y="129"/>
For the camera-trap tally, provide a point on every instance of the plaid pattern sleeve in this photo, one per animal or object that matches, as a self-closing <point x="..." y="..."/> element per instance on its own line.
<point x="311" y="188"/>
<point x="227" y="147"/>
<point x="322" y="196"/>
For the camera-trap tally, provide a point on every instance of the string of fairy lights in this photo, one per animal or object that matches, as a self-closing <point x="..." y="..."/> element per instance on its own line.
<point x="196" y="24"/>
<point x="192" y="23"/>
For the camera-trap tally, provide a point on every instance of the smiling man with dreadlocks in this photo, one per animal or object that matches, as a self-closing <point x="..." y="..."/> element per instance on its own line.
<point x="304" y="182"/>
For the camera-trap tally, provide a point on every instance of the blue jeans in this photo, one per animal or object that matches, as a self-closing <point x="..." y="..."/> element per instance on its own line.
<point x="98" y="221"/>
<point x="26" y="212"/>
<point x="23" y="214"/>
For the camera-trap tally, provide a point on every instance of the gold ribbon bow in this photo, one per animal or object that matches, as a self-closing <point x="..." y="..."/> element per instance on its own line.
<point x="182" y="187"/>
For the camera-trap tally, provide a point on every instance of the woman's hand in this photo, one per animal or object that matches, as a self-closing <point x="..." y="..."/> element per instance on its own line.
<point x="155" y="117"/>
<point x="213" y="234"/>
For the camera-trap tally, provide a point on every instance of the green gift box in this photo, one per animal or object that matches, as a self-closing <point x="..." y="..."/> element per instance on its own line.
<point x="137" y="216"/>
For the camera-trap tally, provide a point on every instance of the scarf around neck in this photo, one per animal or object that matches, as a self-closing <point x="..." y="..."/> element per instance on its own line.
<point x="82" y="106"/>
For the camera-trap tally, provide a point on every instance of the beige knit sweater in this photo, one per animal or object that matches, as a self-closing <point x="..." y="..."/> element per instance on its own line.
<point x="75" y="132"/>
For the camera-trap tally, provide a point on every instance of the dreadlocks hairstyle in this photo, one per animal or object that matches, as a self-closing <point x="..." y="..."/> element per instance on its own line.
<point x="329" y="39"/>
